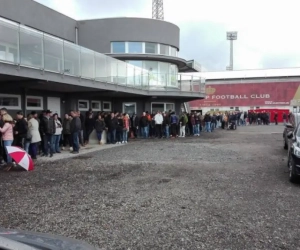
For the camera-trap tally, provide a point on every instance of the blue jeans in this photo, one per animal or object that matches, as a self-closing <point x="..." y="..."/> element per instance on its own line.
<point x="197" y="129"/>
<point x="55" y="145"/>
<point x="207" y="126"/>
<point x="194" y="130"/>
<point x="212" y="126"/>
<point x="5" y="144"/>
<point x="26" y="146"/>
<point x="148" y="129"/>
<point x="111" y="136"/>
<point x="125" y="135"/>
<point x="48" y="142"/>
<point x="167" y="131"/>
<point x="144" y="132"/>
<point x="75" y="137"/>
<point x="99" y="135"/>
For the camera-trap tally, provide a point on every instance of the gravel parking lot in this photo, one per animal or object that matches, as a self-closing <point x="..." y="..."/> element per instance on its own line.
<point x="225" y="190"/>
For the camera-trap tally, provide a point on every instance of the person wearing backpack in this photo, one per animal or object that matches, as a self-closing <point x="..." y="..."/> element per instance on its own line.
<point x="174" y="121"/>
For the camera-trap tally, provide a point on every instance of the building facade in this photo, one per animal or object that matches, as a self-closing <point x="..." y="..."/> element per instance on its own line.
<point x="250" y="90"/>
<point x="51" y="61"/>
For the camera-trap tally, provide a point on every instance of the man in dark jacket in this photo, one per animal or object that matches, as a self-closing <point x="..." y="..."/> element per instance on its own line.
<point x="47" y="130"/>
<point x="75" y="128"/>
<point x="144" y="125"/>
<point x="82" y="130"/>
<point x="20" y="129"/>
<point x="134" y="124"/>
<point x="112" y="124"/>
<point x="166" y="125"/>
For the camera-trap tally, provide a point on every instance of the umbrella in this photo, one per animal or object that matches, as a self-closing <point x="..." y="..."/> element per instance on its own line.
<point x="21" y="157"/>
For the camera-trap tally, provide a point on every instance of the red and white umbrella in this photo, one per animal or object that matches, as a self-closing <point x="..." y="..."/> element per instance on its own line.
<point x="21" y="157"/>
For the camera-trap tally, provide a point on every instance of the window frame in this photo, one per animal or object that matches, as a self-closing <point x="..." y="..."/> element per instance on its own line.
<point x="94" y="101"/>
<point x="83" y="109"/>
<point x="112" y="47"/>
<point x="123" y="106"/>
<point x="12" y="107"/>
<point x="165" y="106"/>
<point x="107" y="110"/>
<point x="34" y="97"/>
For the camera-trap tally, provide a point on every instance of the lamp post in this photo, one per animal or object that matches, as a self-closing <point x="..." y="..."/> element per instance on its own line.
<point x="231" y="36"/>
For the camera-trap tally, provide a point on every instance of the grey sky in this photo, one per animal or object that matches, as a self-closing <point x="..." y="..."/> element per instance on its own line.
<point x="268" y="34"/>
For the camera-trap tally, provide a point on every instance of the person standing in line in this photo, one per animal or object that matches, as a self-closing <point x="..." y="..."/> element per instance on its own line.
<point x="135" y="125"/>
<point x="33" y="127"/>
<point x="81" y="133"/>
<point x="99" y="127"/>
<point x="89" y="126"/>
<point x="7" y="137"/>
<point x="57" y="135"/>
<point x="166" y="126"/>
<point x="67" y="137"/>
<point x="183" y="122"/>
<point x="276" y="118"/>
<point x="144" y="125"/>
<point x="47" y="128"/>
<point x="125" y="128"/>
<point x="21" y="129"/>
<point x="174" y="122"/>
<point x="158" y="119"/>
<point x="75" y="128"/>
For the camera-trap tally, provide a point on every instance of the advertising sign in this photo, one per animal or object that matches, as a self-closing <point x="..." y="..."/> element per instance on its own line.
<point x="249" y="94"/>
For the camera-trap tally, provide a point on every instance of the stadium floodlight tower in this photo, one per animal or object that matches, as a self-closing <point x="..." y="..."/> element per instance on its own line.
<point x="158" y="9"/>
<point x="231" y="36"/>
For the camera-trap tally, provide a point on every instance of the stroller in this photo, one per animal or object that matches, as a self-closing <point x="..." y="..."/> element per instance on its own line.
<point x="232" y="125"/>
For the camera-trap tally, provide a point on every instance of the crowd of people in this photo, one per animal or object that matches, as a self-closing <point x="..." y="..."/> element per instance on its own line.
<point x="47" y="134"/>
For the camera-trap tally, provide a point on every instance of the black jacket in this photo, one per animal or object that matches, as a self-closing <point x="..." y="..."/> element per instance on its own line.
<point x="134" y="121"/>
<point x="112" y="124"/>
<point x="82" y="119"/>
<point x="47" y="126"/>
<point x="75" y="125"/>
<point x="89" y="123"/>
<point x="144" y="121"/>
<point x="67" y="127"/>
<point x="166" y="121"/>
<point x="100" y="125"/>
<point x="21" y="127"/>
<point x="207" y="118"/>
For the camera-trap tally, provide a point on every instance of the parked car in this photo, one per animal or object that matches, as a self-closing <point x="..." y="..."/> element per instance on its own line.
<point x="287" y="128"/>
<point x="16" y="239"/>
<point x="294" y="154"/>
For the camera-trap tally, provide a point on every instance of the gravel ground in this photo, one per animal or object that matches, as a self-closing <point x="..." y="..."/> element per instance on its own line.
<point x="224" y="190"/>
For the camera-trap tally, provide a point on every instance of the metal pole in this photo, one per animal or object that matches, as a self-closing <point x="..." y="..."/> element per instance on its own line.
<point x="231" y="54"/>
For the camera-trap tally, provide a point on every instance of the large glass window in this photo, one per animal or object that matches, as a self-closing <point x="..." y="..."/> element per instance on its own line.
<point x="173" y="51"/>
<point x="129" y="108"/>
<point x="118" y="47"/>
<point x="135" y="47"/>
<point x="152" y="66"/>
<point x="10" y="101"/>
<point x="136" y="63"/>
<point x="34" y="103"/>
<point x="164" y="49"/>
<point x="53" y="48"/>
<point x="8" y="42"/>
<point x="31" y="42"/>
<point x="151" y="48"/>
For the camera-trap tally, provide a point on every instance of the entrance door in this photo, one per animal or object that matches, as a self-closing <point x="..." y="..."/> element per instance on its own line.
<point x="53" y="103"/>
<point x="129" y="108"/>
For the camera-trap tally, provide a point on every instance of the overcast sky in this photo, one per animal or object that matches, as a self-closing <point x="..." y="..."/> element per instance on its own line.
<point x="268" y="30"/>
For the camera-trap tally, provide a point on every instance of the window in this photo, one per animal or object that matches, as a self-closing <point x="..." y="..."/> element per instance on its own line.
<point x="129" y="108"/>
<point x="231" y="107"/>
<point x="96" y="105"/>
<point x="83" y="105"/>
<point x="151" y="66"/>
<point x="118" y="47"/>
<point x="136" y="63"/>
<point x="169" y="106"/>
<point x="10" y="101"/>
<point x="106" y="106"/>
<point x="164" y="49"/>
<point x="34" y="103"/>
<point x="173" y="51"/>
<point x="160" y="106"/>
<point x="151" y="48"/>
<point x="135" y="47"/>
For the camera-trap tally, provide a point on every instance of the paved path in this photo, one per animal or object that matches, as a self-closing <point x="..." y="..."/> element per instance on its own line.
<point x="224" y="190"/>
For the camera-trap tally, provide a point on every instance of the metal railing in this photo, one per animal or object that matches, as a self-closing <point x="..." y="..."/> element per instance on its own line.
<point x="27" y="47"/>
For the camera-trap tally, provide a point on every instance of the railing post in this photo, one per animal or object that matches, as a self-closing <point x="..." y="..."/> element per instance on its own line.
<point x="80" y="71"/>
<point x="43" y="51"/>
<point x="19" y="45"/>
<point x="63" y="58"/>
<point x="191" y="86"/>
<point x="94" y="58"/>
